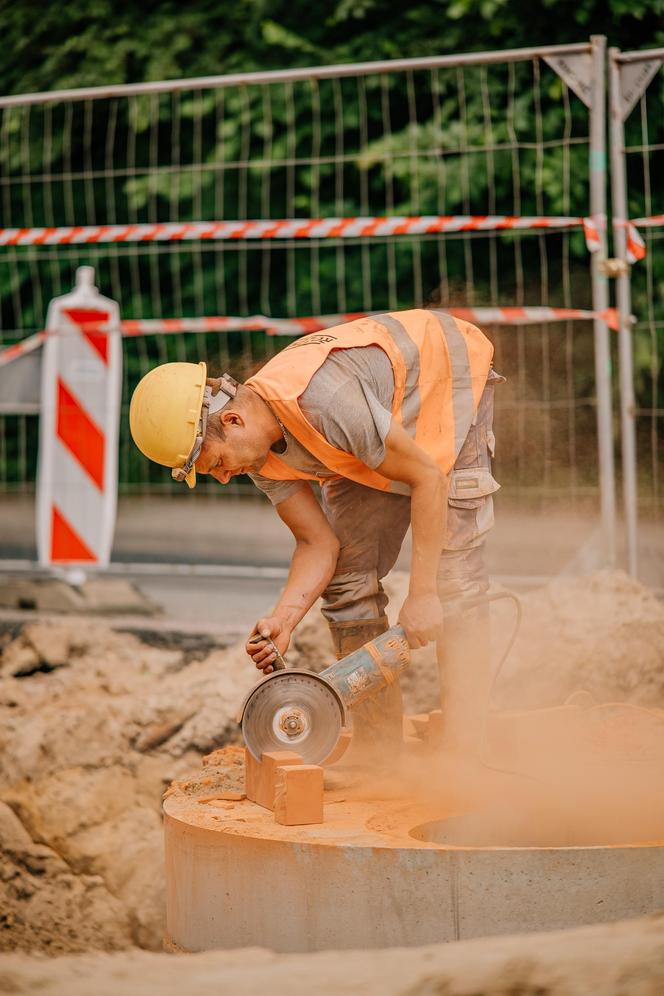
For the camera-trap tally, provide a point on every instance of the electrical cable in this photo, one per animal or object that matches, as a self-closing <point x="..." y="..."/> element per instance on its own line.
<point x="471" y="603"/>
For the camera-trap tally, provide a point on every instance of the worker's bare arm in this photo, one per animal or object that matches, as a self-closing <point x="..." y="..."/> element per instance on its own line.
<point x="421" y="614"/>
<point x="312" y="566"/>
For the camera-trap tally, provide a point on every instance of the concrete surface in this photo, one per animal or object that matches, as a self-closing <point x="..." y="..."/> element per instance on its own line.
<point x="91" y="596"/>
<point x="222" y="530"/>
<point x="236" y="878"/>
<point x="224" y="534"/>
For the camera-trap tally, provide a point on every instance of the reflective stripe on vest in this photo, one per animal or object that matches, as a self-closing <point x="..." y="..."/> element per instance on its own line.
<point x="440" y="366"/>
<point x="462" y="392"/>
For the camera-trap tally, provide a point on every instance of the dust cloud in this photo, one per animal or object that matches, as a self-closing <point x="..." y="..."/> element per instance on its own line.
<point x="570" y="751"/>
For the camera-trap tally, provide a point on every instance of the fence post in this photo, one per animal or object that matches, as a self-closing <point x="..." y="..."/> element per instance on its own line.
<point x="600" y="291"/>
<point x="624" y="305"/>
<point x="78" y="431"/>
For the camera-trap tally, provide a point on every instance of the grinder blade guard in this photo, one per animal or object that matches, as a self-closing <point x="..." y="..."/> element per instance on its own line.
<point x="293" y="710"/>
<point x="305" y="712"/>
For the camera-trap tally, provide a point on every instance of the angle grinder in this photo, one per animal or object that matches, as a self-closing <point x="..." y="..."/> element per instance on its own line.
<point x="305" y="712"/>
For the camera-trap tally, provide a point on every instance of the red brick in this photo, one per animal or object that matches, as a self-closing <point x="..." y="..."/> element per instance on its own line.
<point x="260" y="775"/>
<point x="298" y="795"/>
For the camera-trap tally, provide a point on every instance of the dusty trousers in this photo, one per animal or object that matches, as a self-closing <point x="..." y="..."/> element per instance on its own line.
<point x="371" y="526"/>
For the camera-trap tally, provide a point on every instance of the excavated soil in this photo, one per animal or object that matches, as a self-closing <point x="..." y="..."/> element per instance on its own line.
<point x="95" y="723"/>
<point x="622" y="959"/>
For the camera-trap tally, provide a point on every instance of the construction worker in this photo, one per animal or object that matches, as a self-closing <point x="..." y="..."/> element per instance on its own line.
<point x="392" y="416"/>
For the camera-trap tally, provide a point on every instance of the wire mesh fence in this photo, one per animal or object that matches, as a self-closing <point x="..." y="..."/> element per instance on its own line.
<point x="473" y="136"/>
<point x="644" y="167"/>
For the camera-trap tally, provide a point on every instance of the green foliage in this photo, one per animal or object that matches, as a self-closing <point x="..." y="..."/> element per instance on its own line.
<point x="96" y="42"/>
<point x="433" y="160"/>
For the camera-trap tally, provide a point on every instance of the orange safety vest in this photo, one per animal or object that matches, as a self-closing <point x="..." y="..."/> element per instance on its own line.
<point x="439" y="362"/>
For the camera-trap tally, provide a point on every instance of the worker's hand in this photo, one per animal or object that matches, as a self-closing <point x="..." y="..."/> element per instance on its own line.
<point x="422" y="619"/>
<point x="262" y="653"/>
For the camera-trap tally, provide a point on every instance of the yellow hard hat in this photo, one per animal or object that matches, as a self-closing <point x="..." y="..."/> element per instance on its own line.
<point x="169" y="412"/>
<point x="165" y="416"/>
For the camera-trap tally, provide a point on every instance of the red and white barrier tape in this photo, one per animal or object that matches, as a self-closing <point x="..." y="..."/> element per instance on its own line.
<point x="22" y="348"/>
<point x="654" y="221"/>
<point x="479" y="316"/>
<point x="230" y="323"/>
<point x="292" y="228"/>
<point x="302" y="326"/>
<point x="322" y="228"/>
<point x="636" y="247"/>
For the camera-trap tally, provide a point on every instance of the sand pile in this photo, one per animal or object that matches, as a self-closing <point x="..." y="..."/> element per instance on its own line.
<point x="611" y="959"/>
<point x="95" y="723"/>
<point x="604" y="633"/>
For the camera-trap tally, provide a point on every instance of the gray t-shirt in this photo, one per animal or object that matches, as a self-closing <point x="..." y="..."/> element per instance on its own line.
<point x="349" y="401"/>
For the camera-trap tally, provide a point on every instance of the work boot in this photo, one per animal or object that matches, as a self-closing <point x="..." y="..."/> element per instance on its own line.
<point x="377" y="723"/>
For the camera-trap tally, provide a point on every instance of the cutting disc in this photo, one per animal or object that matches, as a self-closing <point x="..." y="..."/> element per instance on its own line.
<point x="293" y="710"/>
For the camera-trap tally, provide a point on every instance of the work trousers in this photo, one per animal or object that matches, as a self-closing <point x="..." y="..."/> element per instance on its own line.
<point x="370" y="526"/>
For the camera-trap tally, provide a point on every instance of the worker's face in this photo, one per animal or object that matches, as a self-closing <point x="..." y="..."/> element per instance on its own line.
<point x="240" y="451"/>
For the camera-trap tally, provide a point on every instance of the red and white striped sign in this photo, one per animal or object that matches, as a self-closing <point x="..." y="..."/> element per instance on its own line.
<point x="292" y="228"/>
<point x="78" y="446"/>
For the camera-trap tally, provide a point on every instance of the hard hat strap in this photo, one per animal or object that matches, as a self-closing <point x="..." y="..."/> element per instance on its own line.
<point x="218" y="392"/>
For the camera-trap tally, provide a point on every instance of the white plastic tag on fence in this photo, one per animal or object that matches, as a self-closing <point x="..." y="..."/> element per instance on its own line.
<point x="78" y="443"/>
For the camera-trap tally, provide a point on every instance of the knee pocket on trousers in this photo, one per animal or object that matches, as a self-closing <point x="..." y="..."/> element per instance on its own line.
<point x="470" y="506"/>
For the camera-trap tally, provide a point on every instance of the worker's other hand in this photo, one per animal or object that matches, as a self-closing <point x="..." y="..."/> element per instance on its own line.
<point x="422" y="619"/>
<point x="262" y="653"/>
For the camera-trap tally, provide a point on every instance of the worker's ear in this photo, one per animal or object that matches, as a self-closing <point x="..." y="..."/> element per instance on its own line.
<point x="231" y="418"/>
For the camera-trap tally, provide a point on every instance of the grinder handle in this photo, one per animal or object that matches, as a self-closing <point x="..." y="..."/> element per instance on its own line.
<point x="279" y="664"/>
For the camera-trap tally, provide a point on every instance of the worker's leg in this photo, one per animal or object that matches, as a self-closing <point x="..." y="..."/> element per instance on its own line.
<point x="464" y="658"/>
<point x="370" y="526"/>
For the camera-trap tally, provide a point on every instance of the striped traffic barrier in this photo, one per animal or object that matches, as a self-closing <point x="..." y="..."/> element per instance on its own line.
<point x="81" y="386"/>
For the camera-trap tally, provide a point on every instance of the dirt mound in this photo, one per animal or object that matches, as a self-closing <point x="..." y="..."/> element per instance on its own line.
<point x="94" y="725"/>
<point x="603" y="633"/>
<point x="612" y="959"/>
<point x="47" y="906"/>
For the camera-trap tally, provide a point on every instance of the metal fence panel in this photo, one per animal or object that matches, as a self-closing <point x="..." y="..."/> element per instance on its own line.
<point x="637" y="156"/>
<point x="483" y="134"/>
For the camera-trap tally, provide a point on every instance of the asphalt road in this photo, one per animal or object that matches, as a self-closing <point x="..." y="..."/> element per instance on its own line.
<point x="245" y="550"/>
